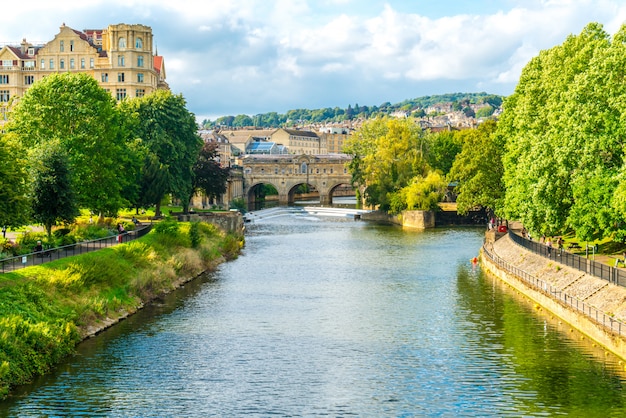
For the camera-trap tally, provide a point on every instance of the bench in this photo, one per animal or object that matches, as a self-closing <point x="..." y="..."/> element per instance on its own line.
<point x="574" y="245"/>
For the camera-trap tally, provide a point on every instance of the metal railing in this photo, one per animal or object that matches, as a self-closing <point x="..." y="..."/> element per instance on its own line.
<point x="595" y="315"/>
<point x="591" y="267"/>
<point x="47" y="255"/>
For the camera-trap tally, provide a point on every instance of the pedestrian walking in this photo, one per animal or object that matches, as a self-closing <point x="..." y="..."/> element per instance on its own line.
<point x="549" y="246"/>
<point x="559" y="243"/>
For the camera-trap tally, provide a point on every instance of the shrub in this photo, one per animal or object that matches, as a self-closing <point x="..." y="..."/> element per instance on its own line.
<point x="194" y="234"/>
<point x="167" y="226"/>
<point x="61" y="232"/>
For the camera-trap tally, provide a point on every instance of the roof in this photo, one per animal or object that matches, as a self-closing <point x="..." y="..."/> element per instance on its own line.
<point x="296" y="132"/>
<point x="158" y="63"/>
<point x="261" y="146"/>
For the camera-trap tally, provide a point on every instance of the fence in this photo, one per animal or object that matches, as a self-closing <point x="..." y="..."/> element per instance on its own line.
<point x="593" y="268"/>
<point x="41" y="257"/>
<point x="614" y="325"/>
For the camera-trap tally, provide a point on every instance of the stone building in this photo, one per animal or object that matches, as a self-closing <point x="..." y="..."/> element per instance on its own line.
<point x="119" y="57"/>
<point x="299" y="141"/>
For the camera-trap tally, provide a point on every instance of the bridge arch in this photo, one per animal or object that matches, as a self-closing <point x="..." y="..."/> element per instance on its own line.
<point x="324" y="173"/>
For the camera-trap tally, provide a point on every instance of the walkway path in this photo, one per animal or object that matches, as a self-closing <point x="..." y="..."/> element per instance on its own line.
<point x="34" y="259"/>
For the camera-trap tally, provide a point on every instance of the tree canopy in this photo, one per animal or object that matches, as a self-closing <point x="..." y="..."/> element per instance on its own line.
<point x="390" y="166"/>
<point x="170" y="142"/>
<point x="565" y="136"/>
<point x="72" y="110"/>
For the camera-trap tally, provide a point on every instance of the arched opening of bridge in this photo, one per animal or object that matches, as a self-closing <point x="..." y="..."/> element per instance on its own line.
<point x="303" y="193"/>
<point x="262" y="195"/>
<point x="341" y="194"/>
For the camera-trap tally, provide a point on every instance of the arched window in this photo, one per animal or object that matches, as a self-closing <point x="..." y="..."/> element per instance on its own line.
<point x="303" y="168"/>
<point x="122" y="43"/>
<point x="138" y="43"/>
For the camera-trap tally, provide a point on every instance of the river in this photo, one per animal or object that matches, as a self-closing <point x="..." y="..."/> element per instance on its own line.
<point x="336" y="317"/>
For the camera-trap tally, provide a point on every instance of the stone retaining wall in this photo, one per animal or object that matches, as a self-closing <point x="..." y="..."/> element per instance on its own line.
<point x="597" y="294"/>
<point x="231" y="222"/>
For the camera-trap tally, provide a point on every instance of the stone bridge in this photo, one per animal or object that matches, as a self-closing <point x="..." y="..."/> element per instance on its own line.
<point x="286" y="173"/>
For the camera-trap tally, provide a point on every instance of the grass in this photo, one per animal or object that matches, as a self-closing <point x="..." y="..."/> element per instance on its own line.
<point x="46" y="310"/>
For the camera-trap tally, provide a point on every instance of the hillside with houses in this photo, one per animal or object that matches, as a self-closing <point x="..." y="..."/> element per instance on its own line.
<point x="449" y="110"/>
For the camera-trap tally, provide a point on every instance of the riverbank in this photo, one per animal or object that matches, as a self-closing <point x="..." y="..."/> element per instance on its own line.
<point x="47" y="309"/>
<point x="593" y="306"/>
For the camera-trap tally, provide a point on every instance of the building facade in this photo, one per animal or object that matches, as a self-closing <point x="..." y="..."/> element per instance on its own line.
<point x="298" y="141"/>
<point x="119" y="57"/>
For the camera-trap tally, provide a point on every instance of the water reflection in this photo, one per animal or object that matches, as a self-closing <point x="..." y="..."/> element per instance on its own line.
<point x="336" y="317"/>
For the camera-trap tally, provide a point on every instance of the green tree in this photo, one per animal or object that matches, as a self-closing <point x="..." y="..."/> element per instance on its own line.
<point x="53" y="198"/>
<point x="442" y="149"/>
<point x="242" y="121"/>
<point x="72" y="110"/>
<point x="387" y="154"/>
<point x="478" y="169"/>
<point x="169" y="134"/>
<point x="14" y="184"/>
<point x="485" y="112"/>
<point x="423" y="193"/>
<point x="551" y="128"/>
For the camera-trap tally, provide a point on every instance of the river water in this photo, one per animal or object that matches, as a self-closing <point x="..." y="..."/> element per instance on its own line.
<point x="336" y="317"/>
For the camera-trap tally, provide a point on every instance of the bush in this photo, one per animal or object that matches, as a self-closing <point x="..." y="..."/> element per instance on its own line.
<point x="194" y="234"/>
<point x="61" y="232"/>
<point x="167" y="226"/>
<point x="66" y="240"/>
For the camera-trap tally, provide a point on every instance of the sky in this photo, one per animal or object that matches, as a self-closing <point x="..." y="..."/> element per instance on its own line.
<point x="231" y="57"/>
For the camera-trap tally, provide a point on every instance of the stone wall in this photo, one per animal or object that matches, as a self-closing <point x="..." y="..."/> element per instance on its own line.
<point x="231" y="222"/>
<point x="594" y="292"/>
<point x="410" y="219"/>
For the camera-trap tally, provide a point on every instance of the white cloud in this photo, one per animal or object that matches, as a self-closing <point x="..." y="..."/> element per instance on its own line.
<point x="251" y="56"/>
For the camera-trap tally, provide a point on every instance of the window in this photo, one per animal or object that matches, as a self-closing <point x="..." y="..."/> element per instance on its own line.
<point x="29" y="79"/>
<point x="120" y="77"/>
<point x="303" y="168"/>
<point x="140" y="61"/>
<point x="72" y="66"/>
<point x="122" y="43"/>
<point x="62" y="64"/>
<point x="7" y="63"/>
<point x="82" y="63"/>
<point x="31" y="51"/>
<point x="62" y="46"/>
<point x="140" y="92"/>
<point x="138" y="43"/>
<point x="51" y="64"/>
<point x="105" y="77"/>
<point x="71" y="46"/>
<point x="121" y="61"/>
<point x="91" y="63"/>
<point x="120" y="94"/>
<point x="140" y="77"/>
<point x="4" y="79"/>
<point x="4" y="96"/>
<point x="43" y="64"/>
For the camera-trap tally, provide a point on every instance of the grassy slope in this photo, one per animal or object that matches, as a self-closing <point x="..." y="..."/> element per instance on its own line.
<point x="46" y="310"/>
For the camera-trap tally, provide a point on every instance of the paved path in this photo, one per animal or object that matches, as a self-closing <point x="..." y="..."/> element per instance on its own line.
<point x="34" y="259"/>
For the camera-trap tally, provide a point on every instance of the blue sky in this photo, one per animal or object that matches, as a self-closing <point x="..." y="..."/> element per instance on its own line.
<point x="230" y="57"/>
